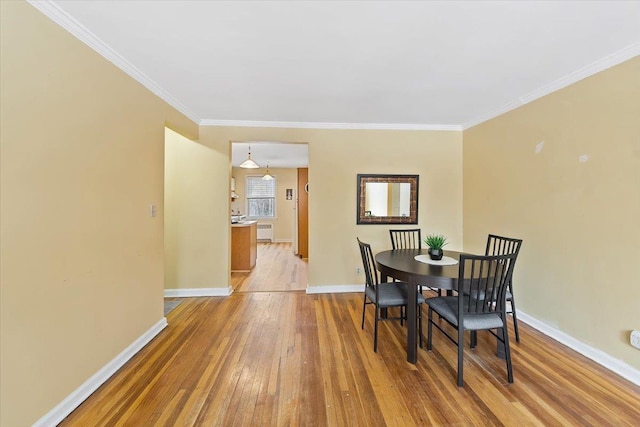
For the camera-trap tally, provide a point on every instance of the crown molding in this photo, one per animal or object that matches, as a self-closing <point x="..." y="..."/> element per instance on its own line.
<point x="495" y="113"/>
<point x="319" y="125"/>
<point x="602" y="64"/>
<point x="62" y="18"/>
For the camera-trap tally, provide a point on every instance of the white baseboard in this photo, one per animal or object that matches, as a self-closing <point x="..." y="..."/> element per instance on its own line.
<point x="282" y="241"/>
<point x="71" y="402"/>
<point x="618" y="366"/>
<point x="334" y="289"/>
<point x="198" y="292"/>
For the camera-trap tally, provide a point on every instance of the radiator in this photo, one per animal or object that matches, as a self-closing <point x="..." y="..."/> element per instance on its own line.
<point x="265" y="231"/>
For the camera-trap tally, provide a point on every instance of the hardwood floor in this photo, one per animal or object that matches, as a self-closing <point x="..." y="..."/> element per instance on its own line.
<point x="291" y="359"/>
<point x="277" y="269"/>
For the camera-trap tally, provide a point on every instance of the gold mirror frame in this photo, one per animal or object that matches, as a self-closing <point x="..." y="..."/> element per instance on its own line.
<point x="363" y="218"/>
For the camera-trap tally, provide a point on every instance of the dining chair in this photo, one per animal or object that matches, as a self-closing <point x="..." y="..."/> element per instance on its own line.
<point x="408" y="239"/>
<point x="384" y="295"/>
<point x="479" y="305"/>
<point x="499" y="245"/>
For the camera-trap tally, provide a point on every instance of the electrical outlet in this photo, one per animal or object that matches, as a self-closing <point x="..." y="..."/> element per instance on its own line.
<point x="358" y="270"/>
<point x="635" y="339"/>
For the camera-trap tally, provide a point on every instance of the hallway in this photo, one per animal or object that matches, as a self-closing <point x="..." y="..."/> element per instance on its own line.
<point x="277" y="269"/>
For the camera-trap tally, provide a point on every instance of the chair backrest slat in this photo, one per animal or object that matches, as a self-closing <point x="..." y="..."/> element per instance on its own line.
<point x="499" y="245"/>
<point x="406" y="239"/>
<point x="368" y="264"/>
<point x="484" y="279"/>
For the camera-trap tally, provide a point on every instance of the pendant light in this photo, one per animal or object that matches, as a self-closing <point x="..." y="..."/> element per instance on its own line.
<point x="266" y="176"/>
<point x="249" y="163"/>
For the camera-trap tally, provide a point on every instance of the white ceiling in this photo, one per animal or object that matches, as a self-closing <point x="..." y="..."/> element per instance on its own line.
<point x="271" y="154"/>
<point x="353" y="64"/>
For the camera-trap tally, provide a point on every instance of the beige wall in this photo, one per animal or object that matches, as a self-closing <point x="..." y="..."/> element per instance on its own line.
<point x="190" y="235"/>
<point x="81" y="259"/>
<point x="83" y="155"/>
<point x="284" y="222"/>
<point x="335" y="158"/>
<point x="580" y="221"/>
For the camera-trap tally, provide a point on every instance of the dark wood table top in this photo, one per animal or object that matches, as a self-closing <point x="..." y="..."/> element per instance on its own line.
<point x="400" y="264"/>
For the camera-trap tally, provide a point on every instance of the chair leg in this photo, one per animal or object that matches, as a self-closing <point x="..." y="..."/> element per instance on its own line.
<point x="364" y="307"/>
<point x="402" y="315"/>
<point x="375" y="331"/>
<point x="460" y="355"/>
<point x="515" y="319"/>
<point x="507" y="353"/>
<point x="420" y="325"/>
<point x="474" y="339"/>
<point x="515" y="326"/>
<point x="513" y="313"/>
<point x="429" y="329"/>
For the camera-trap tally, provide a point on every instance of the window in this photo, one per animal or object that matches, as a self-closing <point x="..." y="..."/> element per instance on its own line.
<point x="261" y="197"/>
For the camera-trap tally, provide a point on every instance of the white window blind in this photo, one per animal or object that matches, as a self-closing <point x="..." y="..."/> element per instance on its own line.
<point x="261" y="197"/>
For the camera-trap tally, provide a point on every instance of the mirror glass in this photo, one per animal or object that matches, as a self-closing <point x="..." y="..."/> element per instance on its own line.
<point x="387" y="199"/>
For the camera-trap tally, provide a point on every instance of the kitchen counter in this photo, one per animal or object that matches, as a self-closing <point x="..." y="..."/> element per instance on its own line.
<point x="243" y="223"/>
<point x="244" y="245"/>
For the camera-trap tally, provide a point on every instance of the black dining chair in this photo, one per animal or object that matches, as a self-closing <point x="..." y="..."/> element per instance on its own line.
<point x="384" y="295"/>
<point x="408" y="239"/>
<point x="499" y="245"/>
<point x="480" y="304"/>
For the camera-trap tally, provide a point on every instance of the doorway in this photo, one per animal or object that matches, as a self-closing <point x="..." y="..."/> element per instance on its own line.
<point x="301" y="241"/>
<point x="278" y="266"/>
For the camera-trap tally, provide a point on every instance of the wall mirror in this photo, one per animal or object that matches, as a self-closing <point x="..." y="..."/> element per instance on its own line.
<point x="387" y="199"/>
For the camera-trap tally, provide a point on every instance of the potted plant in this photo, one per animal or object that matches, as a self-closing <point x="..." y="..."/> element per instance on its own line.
<point x="435" y="242"/>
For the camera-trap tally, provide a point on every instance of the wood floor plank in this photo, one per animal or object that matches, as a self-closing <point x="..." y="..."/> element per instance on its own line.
<point x="277" y="269"/>
<point x="277" y="357"/>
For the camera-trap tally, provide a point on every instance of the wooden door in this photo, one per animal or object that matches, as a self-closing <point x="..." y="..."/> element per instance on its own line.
<point x="303" y="212"/>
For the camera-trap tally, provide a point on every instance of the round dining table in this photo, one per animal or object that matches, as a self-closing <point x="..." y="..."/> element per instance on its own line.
<point x="400" y="264"/>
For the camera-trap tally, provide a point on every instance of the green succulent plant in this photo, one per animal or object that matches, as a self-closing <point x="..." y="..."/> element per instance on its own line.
<point x="435" y="241"/>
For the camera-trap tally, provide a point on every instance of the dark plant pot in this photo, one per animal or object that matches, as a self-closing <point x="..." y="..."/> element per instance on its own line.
<point x="435" y="254"/>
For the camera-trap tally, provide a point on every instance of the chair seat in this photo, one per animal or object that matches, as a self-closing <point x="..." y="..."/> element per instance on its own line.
<point x="498" y="245"/>
<point x="481" y="279"/>
<point x="480" y="294"/>
<point x="447" y="307"/>
<point x="384" y="295"/>
<point x="392" y="294"/>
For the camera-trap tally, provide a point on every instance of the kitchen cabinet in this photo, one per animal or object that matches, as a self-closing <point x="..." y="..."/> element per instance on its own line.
<point x="244" y="245"/>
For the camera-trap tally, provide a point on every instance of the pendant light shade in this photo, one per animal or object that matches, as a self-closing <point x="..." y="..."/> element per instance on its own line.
<point x="267" y="176"/>
<point x="249" y="163"/>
